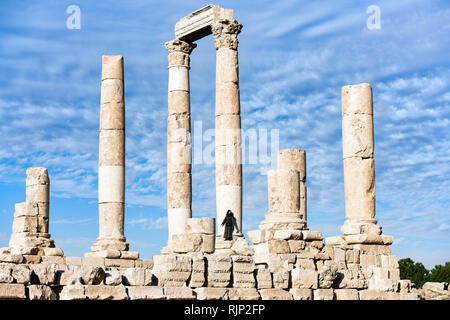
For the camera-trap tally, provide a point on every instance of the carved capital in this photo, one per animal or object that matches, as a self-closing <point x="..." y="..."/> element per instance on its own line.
<point x="180" y="46"/>
<point x="225" y="33"/>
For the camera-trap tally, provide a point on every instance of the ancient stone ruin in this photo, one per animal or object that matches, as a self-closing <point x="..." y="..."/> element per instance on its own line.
<point x="285" y="259"/>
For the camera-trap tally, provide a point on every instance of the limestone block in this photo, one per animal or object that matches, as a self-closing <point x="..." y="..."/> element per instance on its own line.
<point x="41" y="292"/>
<point x="201" y="225"/>
<point x="5" y="274"/>
<point x="111" y="148"/>
<point x="208" y="243"/>
<point x="177" y="293"/>
<point x="12" y="291"/>
<point x="278" y="246"/>
<point x="280" y="279"/>
<point x="346" y="294"/>
<point x="228" y="174"/>
<point x="357" y="99"/>
<point x="91" y="275"/>
<point x="385" y="285"/>
<point x="183" y="243"/>
<point x="314" y="246"/>
<point x="37" y="175"/>
<point x="324" y="294"/>
<point x="296" y="246"/>
<point x="243" y="264"/>
<point x="327" y="275"/>
<point x="305" y="263"/>
<point x="179" y="196"/>
<point x="37" y="193"/>
<point x="134" y="277"/>
<point x="145" y="293"/>
<point x="372" y="249"/>
<point x="293" y="159"/>
<point x="243" y="294"/>
<point x="73" y="292"/>
<point x="335" y="241"/>
<point x="359" y="184"/>
<point x="25" y="224"/>
<point x="256" y="236"/>
<point x="112" y="116"/>
<point x="53" y="259"/>
<point x="304" y="278"/>
<point x="111" y="254"/>
<point x="350" y="279"/>
<point x="69" y="277"/>
<point x="112" y="92"/>
<point x="275" y="294"/>
<point x="368" y="260"/>
<point x="372" y="295"/>
<point x="363" y="238"/>
<point x="227" y="98"/>
<point x="357" y="136"/>
<point x="178" y="102"/>
<point x="263" y="278"/>
<point x="241" y="247"/>
<point x="301" y="294"/>
<point x="102" y="292"/>
<point x="228" y="130"/>
<point x="387" y="240"/>
<point x="172" y="270"/>
<point x="283" y="190"/>
<point x="21" y="273"/>
<point x="198" y="24"/>
<point x="352" y="256"/>
<point x="287" y="235"/>
<point x="211" y="293"/>
<point x="31" y="259"/>
<point x="111" y="184"/>
<point x="219" y="263"/>
<point x="113" y="278"/>
<point x="148" y="264"/>
<point x="112" y="67"/>
<point x="53" y="252"/>
<point x="93" y="261"/>
<point x="339" y="254"/>
<point x="20" y="209"/>
<point x="434" y="286"/>
<point x="408" y="296"/>
<point x="120" y="263"/>
<point x="244" y="280"/>
<point x="44" y="273"/>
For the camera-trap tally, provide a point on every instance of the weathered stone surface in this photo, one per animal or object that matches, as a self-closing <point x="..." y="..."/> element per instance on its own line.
<point x="296" y="246"/>
<point x="11" y="258"/>
<point x="405" y="286"/>
<point x="201" y="225"/>
<point x="73" y="292"/>
<point x="102" y="292"/>
<point x="177" y="293"/>
<point x="134" y="277"/>
<point x="172" y="270"/>
<point x="53" y="252"/>
<point x="41" y="292"/>
<point x="119" y="263"/>
<point x="243" y="294"/>
<point x="113" y="278"/>
<point x="211" y="293"/>
<point x="93" y="261"/>
<point x="304" y="279"/>
<point x="385" y="285"/>
<point x="327" y="275"/>
<point x="5" y="273"/>
<point x="305" y="263"/>
<point x="275" y="294"/>
<point x="145" y="293"/>
<point x="44" y="273"/>
<point x="372" y="295"/>
<point x="21" y="273"/>
<point x="311" y="235"/>
<point x="263" y="278"/>
<point x="350" y="279"/>
<point x="92" y="275"/>
<point x="436" y="286"/>
<point x="293" y="159"/>
<point x="241" y="247"/>
<point x="346" y="294"/>
<point x="278" y="246"/>
<point x="408" y="296"/>
<point x="324" y="294"/>
<point x="13" y="291"/>
<point x="301" y="294"/>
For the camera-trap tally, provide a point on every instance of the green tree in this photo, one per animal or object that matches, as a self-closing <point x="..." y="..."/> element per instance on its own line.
<point x="414" y="271"/>
<point x="440" y="273"/>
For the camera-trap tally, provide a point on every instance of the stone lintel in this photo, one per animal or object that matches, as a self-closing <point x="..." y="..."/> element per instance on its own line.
<point x="198" y="24"/>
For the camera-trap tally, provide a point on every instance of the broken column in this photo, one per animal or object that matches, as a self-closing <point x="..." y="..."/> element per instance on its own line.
<point x="228" y="123"/>
<point x="111" y="168"/>
<point x="179" y="157"/>
<point x="30" y="235"/>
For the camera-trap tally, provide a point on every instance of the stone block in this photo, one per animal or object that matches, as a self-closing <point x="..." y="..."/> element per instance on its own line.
<point x="25" y="250"/>
<point x="350" y="279"/>
<point x="301" y="294"/>
<point x="201" y="225"/>
<point x="134" y="277"/>
<point x="323" y="294"/>
<point x="278" y="246"/>
<point x="405" y="286"/>
<point x="11" y="258"/>
<point x="183" y="243"/>
<point x="372" y="295"/>
<point x="21" y="273"/>
<point x="327" y="275"/>
<point x="243" y="294"/>
<point x="91" y="275"/>
<point x="119" y="263"/>
<point x="263" y="278"/>
<point x="73" y="292"/>
<point x="304" y="278"/>
<point x="385" y="285"/>
<point x="296" y="246"/>
<point x="305" y="263"/>
<point x="346" y="294"/>
<point x="275" y="294"/>
<point x="177" y="293"/>
<point x="102" y="292"/>
<point x="57" y="252"/>
<point x="93" y="261"/>
<point x="12" y="291"/>
<point x="41" y="292"/>
<point x="113" y="278"/>
<point x="145" y="293"/>
<point x="53" y="259"/>
<point x="211" y="293"/>
<point x="241" y="247"/>
<point x="310" y="235"/>
<point x="147" y="264"/>
<point x="74" y="261"/>
<point x="408" y="296"/>
<point x="352" y="256"/>
<point x="434" y="286"/>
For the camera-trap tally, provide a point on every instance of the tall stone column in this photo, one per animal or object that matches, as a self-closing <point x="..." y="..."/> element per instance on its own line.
<point x="228" y="123"/>
<point x="179" y="155"/>
<point x="359" y="165"/>
<point x="111" y="166"/>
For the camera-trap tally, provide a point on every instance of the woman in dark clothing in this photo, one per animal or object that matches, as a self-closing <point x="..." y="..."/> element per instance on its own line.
<point x="229" y="225"/>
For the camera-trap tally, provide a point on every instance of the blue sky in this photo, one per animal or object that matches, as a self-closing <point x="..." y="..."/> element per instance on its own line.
<point x="294" y="57"/>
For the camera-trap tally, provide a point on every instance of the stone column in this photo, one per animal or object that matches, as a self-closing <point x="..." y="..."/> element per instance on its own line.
<point x="179" y="188"/>
<point x="295" y="159"/>
<point x="111" y="166"/>
<point x="228" y="123"/>
<point x="359" y="165"/>
<point x="31" y="218"/>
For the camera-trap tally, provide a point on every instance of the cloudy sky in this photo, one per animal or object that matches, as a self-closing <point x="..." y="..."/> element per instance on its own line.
<point x="294" y="57"/>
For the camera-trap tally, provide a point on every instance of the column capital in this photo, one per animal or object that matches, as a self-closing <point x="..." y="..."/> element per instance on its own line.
<point x="180" y="46"/>
<point x="225" y="33"/>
